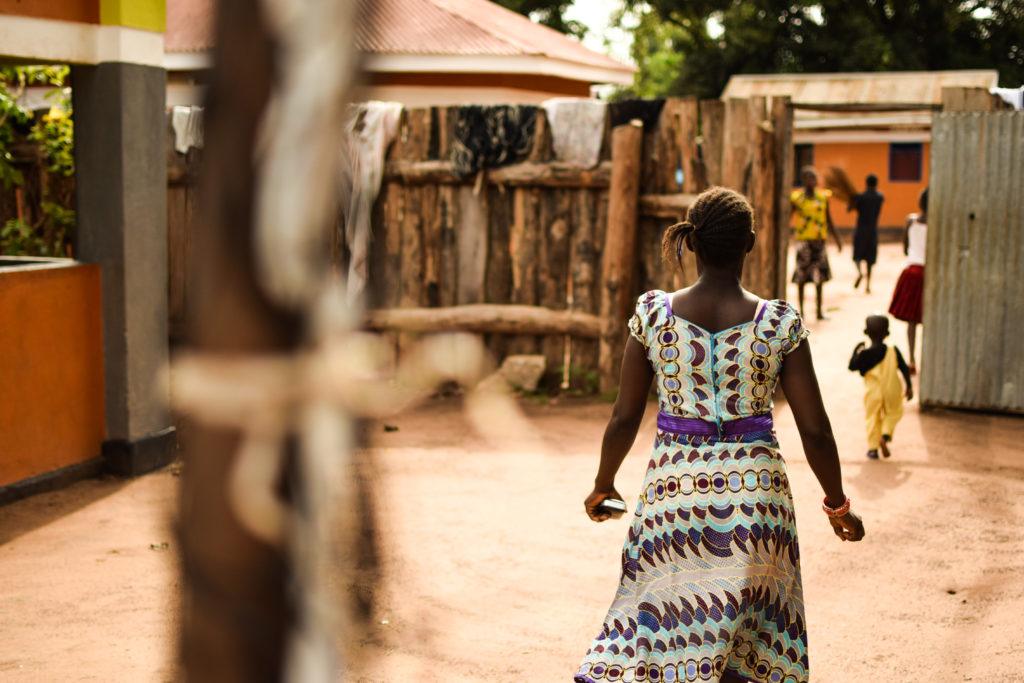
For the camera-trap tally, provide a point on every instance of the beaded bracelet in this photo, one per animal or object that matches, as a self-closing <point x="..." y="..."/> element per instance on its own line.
<point x="836" y="512"/>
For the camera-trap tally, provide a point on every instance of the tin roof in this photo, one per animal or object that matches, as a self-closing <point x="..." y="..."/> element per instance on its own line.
<point x="881" y="87"/>
<point x="436" y="28"/>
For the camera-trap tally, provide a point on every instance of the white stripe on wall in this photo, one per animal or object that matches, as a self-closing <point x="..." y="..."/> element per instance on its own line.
<point x="48" y="41"/>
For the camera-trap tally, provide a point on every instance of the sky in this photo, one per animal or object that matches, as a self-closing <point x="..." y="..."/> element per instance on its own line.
<point x="602" y="37"/>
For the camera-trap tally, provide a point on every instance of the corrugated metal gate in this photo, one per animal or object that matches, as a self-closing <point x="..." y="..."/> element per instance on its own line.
<point x="973" y="355"/>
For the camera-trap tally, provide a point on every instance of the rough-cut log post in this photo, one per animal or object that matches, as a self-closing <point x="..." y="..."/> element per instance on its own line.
<point x="736" y="151"/>
<point x="448" y="215"/>
<point x="542" y="145"/>
<point x="485" y="318"/>
<point x="431" y="207"/>
<point x="663" y="156"/>
<point x="394" y="216"/>
<point x="760" y="271"/>
<point x="619" y="249"/>
<point x="524" y="237"/>
<point x="585" y="266"/>
<point x="687" y="141"/>
<point x="782" y="123"/>
<point x="712" y="124"/>
<point x="970" y="99"/>
<point x="471" y="234"/>
<point x="557" y="219"/>
<point x="498" y="278"/>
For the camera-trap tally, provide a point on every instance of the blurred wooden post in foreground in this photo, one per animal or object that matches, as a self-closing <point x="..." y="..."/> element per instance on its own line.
<point x="235" y="612"/>
<point x="619" y="249"/>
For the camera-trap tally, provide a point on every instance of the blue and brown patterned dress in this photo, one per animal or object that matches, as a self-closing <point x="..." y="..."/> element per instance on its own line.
<point x="710" y="568"/>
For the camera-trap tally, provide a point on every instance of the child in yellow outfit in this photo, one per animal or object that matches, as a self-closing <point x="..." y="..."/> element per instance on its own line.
<point x="879" y="364"/>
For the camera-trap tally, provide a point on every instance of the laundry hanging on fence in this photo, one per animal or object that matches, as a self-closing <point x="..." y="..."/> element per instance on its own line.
<point x="1012" y="96"/>
<point x="624" y="111"/>
<point x="187" y="123"/>
<point x="372" y="127"/>
<point x="577" y="128"/>
<point x="486" y="137"/>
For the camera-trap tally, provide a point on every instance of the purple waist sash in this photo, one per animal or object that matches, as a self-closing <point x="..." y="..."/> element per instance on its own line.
<point x="698" y="427"/>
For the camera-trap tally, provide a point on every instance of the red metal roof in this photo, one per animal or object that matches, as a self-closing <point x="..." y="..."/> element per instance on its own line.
<point x="189" y="25"/>
<point x="426" y="27"/>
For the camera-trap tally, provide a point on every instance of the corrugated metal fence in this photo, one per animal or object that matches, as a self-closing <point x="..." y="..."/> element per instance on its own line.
<point x="973" y="354"/>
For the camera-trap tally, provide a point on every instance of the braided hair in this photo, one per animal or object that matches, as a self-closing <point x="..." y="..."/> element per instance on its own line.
<point x="719" y="224"/>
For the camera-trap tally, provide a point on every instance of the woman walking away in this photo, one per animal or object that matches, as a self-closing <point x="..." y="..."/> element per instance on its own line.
<point x="812" y="221"/>
<point x="867" y="204"/>
<point x="907" y="297"/>
<point x="710" y="581"/>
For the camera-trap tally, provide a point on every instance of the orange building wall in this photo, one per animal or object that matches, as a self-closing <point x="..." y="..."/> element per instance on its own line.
<point x="860" y="158"/>
<point x="553" y="84"/>
<point x="51" y="369"/>
<point x="86" y="11"/>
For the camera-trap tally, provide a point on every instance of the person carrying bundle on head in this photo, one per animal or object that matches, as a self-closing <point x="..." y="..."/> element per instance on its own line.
<point x="868" y="205"/>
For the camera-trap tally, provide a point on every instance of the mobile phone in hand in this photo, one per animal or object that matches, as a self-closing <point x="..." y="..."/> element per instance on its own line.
<point x="612" y="506"/>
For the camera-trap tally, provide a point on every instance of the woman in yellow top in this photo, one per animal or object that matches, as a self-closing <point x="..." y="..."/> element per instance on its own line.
<point x="811" y="222"/>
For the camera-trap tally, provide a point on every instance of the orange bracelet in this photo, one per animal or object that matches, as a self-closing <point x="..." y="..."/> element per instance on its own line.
<point x="836" y="512"/>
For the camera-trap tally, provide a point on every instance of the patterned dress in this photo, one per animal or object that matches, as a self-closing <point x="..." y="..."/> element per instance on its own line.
<point x="710" y="567"/>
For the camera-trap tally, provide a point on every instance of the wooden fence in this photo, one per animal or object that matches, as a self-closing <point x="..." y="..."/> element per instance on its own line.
<point x="546" y="234"/>
<point x="554" y="251"/>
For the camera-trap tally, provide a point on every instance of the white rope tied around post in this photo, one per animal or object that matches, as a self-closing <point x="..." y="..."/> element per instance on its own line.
<point x="312" y="394"/>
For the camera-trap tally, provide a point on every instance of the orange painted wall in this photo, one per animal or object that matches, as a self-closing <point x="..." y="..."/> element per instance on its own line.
<point x="86" y="11"/>
<point x="860" y="158"/>
<point x="555" y="85"/>
<point x="51" y="369"/>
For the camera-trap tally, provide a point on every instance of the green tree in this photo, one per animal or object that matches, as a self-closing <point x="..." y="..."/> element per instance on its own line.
<point x="709" y="40"/>
<point x="46" y="227"/>
<point x="551" y="13"/>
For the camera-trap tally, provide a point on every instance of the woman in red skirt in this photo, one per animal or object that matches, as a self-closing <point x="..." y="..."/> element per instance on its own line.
<point x="906" y="299"/>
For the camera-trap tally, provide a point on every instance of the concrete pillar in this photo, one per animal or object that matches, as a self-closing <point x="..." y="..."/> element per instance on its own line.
<point x="121" y="198"/>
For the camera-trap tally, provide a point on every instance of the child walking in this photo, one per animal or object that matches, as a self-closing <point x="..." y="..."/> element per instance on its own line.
<point x="907" y="298"/>
<point x="883" y="395"/>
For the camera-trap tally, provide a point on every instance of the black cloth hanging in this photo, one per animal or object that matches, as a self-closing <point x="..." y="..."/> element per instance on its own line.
<point x="486" y="137"/>
<point x="624" y="111"/>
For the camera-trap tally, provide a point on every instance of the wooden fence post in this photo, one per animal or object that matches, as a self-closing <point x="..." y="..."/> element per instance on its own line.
<point x="619" y="249"/>
<point x="969" y="99"/>
<point x="782" y="123"/>
<point x="762" y="263"/>
<point x="712" y="125"/>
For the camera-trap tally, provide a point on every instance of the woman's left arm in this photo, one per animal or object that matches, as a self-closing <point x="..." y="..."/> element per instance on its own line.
<point x="634" y="386"/>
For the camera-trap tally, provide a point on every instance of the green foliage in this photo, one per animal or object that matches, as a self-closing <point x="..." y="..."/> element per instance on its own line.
<point x="680" y="53"/>
<point x="54" y="132"/>
<point x="49" y="233"/>
<point x="21" y="239"/>
<point x="551" y="13"/>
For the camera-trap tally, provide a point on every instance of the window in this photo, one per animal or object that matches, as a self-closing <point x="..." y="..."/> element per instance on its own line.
<point x="803" y="155"/>
<point x="905" y="161"/>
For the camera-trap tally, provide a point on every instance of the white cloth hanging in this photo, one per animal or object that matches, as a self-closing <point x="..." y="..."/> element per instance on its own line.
<point x="577" y="128"/>
<point x="187" y="123"/>
<point x="1012" y="96"/>
<point x="372" y="127"/>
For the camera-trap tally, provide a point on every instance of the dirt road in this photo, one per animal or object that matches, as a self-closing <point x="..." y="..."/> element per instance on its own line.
<point x="493" y="573"/>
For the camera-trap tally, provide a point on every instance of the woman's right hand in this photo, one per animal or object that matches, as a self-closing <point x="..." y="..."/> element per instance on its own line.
<point x="595" y="498"/>
<point x="849" y="527"/>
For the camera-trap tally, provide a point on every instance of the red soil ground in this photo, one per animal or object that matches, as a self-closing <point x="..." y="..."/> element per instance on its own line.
<point x="493" y="573"/>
